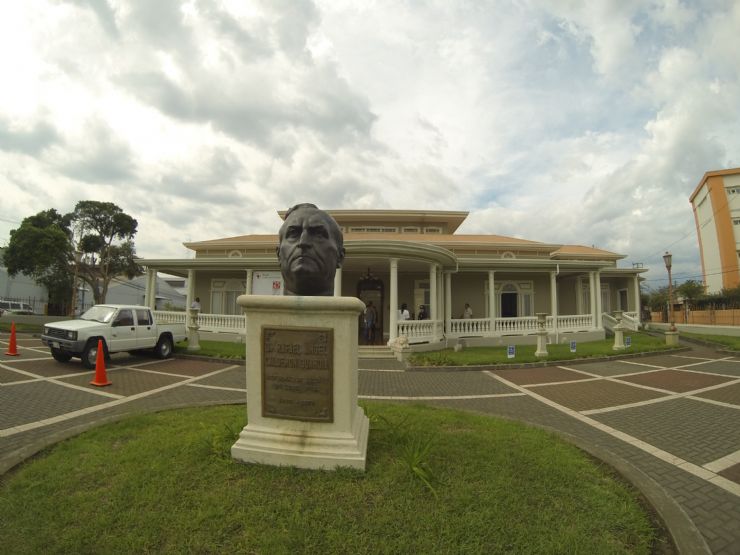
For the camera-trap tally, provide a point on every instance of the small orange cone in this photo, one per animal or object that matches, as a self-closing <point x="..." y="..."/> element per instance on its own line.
<point x="101" y="378"/>
<point x="13" y="347"/>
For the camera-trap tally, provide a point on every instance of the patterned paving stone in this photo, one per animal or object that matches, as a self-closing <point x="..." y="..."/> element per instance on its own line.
<point x="25" y="403"/>
<point x="732" y="473"/>
<point x="236" y="378"/>
<point x="549" y="374"/>
<point x="679" y="381"/>
<point x="49" y="368"/>
<point x="429" y="385"/>
<point x="594" y="394"/>
<point x="126" y="382"/>
<point x="727" y="368"/>
<point x="693" y="430"/>
<point x="728" y="394"/>
<point x="8" y="376"/>
<point x="665" y="360"/>
<point x="185" y="367"/>
<point x="612" y="367"/>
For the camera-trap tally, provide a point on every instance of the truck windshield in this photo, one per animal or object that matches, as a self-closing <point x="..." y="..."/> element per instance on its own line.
<point x="99" y="314"/>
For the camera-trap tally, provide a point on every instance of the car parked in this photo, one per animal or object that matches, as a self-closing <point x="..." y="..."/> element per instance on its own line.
<point x="120" y="327"/>
<point x="15" y="307"/>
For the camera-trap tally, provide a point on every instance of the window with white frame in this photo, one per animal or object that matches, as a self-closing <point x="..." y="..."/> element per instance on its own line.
<point x="224" y="294"/>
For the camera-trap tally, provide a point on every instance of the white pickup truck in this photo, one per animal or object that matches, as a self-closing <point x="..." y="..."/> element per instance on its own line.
<point x="121" y="327"/>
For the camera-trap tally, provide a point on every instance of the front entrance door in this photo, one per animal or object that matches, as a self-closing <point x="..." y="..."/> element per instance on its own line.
<point x="509" y="305"/>
<point x="371" y="288"/>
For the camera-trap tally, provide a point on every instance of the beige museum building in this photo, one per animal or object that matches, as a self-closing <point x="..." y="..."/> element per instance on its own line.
<point x="416" y="257"/>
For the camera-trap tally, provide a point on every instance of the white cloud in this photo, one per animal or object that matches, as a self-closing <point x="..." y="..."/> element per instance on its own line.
<point x="563" y="121"/>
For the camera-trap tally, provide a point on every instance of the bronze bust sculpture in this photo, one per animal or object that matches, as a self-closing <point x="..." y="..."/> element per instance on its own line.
<point x="310" y="249"/>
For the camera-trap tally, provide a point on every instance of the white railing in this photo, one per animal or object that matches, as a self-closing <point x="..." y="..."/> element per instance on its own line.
<point x="419" y="331"/>
<point x="229" y="323"/>
<point x="470" y="327"/>
<point x="575" y="322"/>
<point x="609" y="321"/>
<point x="233" y="323"/>
<point x="527" y="325"/>
<point x="169" y="317"/>
<point x="631" y="321"/>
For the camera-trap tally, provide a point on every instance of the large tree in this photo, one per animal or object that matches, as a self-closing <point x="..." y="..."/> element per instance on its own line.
<point x="103" y="235"/>
<point x="41" y="249"/>
<point x="94" y="242"/>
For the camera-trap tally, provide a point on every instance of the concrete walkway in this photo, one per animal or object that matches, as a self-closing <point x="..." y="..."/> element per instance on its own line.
<point x="669" y="423"/>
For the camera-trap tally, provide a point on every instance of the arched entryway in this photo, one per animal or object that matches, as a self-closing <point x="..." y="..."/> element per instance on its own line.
<point x="371" y="289"/>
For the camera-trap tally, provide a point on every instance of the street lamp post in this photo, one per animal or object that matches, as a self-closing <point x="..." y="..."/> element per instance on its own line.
<point x="668" y="258"/>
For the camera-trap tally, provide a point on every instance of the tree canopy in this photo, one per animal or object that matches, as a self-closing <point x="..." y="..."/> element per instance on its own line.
<point x="94" y="242"/>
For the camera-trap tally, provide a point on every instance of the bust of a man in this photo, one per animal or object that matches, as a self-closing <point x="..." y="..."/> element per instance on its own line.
<point x="310" y="249"/>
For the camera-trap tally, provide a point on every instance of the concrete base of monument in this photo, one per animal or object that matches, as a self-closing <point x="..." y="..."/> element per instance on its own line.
<point x="313" y="448"/>
<point x="302" y="383"/>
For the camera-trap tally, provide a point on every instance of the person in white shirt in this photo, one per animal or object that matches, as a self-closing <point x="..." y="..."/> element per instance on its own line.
<point x="404" y="314"/>
<point x="468" y="312"/>
<point x="195" y="303"/>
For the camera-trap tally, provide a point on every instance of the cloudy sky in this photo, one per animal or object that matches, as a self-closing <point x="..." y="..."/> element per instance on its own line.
<point x="559" y="121"/>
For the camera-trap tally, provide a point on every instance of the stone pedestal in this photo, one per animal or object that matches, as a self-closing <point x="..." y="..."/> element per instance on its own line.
<point x="541" y="335"/>
<point x="671" y="338"/>
<point x="193" y="327"/>
<point x="302" y="383"/>
<point x="618" y="332"/>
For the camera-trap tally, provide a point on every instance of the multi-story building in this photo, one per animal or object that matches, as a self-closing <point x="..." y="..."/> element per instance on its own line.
<point x="716" y="205"/>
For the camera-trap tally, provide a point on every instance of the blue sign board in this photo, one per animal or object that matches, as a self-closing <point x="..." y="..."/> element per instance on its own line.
<point x="511" y="351"/>
<point x="572" y="346"/>
<point x="628" y="341"/>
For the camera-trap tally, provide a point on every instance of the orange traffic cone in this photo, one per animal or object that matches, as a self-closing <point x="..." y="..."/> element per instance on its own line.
<point x="13" y="347"/>
<point x="101" y="378"/>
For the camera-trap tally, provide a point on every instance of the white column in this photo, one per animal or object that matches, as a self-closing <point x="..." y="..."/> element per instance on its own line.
<point x="250" y="282"/>
<point x="492" y="299"/>
<point x="151" y="288"/>
<point x="393" y="312"/>
<point x="440" y="294"/>
<point x="148" y="286"/>
<point x="637" y="297"/>
<point x="592" y="297"/>
<point x="598" y="300"/>
<point x="554" y="302"/>
<point x="191" y="289"/>
<point x="448" y="302"/>
<point x="338" y="283"/>
<point x="433" y="292"/>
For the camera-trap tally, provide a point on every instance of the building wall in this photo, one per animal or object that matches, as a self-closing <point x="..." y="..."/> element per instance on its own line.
<point x="567" y="299"/>
<point x="716" y="208"/>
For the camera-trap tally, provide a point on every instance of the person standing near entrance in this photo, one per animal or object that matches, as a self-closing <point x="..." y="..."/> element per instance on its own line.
<point x="404" y="314"/>
<point x="468" y="312"/>
<point x="371" y="319"/>
<point x="196" y="303"/>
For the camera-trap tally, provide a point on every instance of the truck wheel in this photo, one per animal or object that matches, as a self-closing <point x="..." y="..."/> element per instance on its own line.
<point x="59" y="355"/>
<point x="90" y="354"/>
<point x="163" y="349"/>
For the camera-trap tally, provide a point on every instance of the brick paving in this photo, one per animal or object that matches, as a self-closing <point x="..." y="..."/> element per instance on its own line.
<point x="646" y="440"/>
<point x="676" y="380"/>
<point x="596" y="394"/>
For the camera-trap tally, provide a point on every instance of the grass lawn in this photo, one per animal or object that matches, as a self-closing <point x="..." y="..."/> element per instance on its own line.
<point x="437" y="481"/>
<point x="641" y="342"/>
<point x="216" y="349"/>
<point x="724" y="340"/>
<point x="21" y="328"/>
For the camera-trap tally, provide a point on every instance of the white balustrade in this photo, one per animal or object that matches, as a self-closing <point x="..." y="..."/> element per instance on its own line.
<point x="418" y="331"/>
<point x="631" y="321"/>
<point x="575" y="322"/>
<point x="233" y="323"/>
<point x="169" y="317"/>
<point x="470" y="327"/>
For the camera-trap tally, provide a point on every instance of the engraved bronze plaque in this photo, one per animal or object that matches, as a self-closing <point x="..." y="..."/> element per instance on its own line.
<point x="297" y="373"/>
